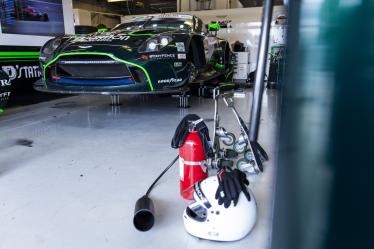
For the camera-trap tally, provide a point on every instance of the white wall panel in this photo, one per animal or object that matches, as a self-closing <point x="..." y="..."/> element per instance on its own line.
<point x="245" y="26"/>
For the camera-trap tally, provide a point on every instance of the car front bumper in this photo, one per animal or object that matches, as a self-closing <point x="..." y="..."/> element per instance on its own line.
<point x="50" y="87"/>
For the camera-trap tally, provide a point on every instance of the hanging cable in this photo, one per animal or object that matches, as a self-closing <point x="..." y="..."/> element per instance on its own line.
<point x="128" y="9"/>
<point x="162" y="173"/>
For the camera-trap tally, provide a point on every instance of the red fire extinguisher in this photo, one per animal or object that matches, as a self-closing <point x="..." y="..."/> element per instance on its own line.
<point x="192" y="164"/>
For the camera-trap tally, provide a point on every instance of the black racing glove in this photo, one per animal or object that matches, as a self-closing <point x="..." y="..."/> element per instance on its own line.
<point x="182" y="132"/>
<point x="231" y="184"/>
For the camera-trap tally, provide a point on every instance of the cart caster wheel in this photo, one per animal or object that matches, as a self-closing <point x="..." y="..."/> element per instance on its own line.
<point x="230" y="153"/>
<point x="239" y="148"/>
<point x="223" y="163"/>
<point x="241" y="164"/>
<point x="246" y="166"/>
<point x="229" y="139"/>
<point x="248" y="155"/>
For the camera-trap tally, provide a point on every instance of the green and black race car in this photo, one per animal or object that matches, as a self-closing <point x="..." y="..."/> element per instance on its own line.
<point x="153" y="54"/>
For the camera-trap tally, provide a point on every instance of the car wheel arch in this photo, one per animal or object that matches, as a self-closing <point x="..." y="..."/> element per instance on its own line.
<point x="196" y="52"/>
<point x="226" y="51"/>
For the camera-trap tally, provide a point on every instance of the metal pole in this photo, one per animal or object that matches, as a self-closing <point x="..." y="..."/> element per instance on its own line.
<point x="260" y="72"/>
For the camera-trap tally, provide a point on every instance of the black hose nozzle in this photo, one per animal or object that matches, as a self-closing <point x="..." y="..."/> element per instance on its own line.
<point x="144" y="209"/>
<point x="144" y="214"/>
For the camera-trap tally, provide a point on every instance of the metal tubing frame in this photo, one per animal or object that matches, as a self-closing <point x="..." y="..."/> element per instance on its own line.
<point x="260" y="72"/>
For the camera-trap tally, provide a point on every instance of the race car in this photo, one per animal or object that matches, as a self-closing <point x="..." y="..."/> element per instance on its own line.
<point x="154" y="54"/>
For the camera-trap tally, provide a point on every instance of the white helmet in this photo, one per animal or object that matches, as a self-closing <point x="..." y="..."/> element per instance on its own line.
<point x="206" y="219"/>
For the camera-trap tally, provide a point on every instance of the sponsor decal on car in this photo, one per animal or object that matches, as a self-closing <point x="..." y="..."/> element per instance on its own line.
<point x="4" y="96"/>
<point x="180" y="46"/>
<point x="178" y="64"/>
<point x="5" y="82"/>
<point x="182" y="56"/>
<point x="25" y="72"/>
<point x="98" y="38"/>
<point x="161" y="56"/>
<point x="168" y="81"/>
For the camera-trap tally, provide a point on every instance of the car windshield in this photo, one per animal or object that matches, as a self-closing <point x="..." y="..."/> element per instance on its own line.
<point x="169" y="23"/>
<point x="129" y="25"/>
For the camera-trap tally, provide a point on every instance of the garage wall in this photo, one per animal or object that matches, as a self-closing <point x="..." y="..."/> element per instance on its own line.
<point x="183" y="5"/>
<point x="82" y="17"/>
<point x="90" y="6"/>
<point x="85" y="17"/>
<point x="245" y="26"/>
<point x="243" y="21"/>
<point x="193" y="5"/>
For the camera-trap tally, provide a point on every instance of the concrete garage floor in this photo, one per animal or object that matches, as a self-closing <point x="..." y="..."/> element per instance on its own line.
<point x="76" y="185"/>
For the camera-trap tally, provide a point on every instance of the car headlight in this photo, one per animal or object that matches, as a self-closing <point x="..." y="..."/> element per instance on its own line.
<point x="155" y="44"/>
<point x="48" y="49"/>
<point x="164" y="41"/>
<point x="152" y="45"/>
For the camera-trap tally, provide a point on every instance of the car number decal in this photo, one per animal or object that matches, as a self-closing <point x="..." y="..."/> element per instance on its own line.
<point x="182" y="56"/>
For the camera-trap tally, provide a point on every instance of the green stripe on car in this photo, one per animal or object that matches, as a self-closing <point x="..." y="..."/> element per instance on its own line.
<point x="104" y="54"/>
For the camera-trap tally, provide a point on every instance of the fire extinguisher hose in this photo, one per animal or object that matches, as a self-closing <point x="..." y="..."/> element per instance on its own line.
<point x="162" y="173"/>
